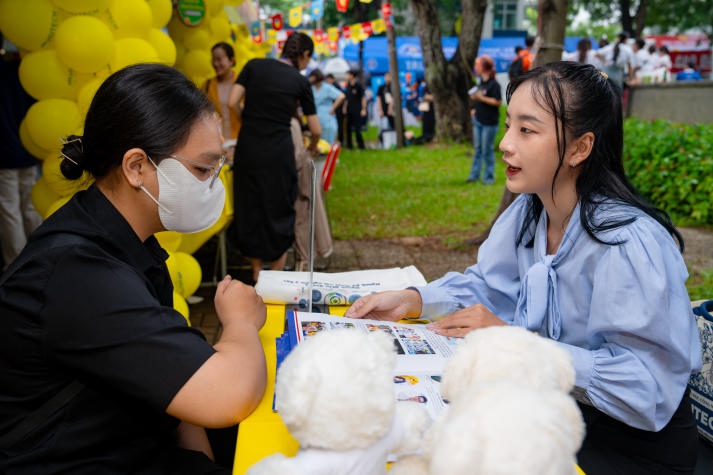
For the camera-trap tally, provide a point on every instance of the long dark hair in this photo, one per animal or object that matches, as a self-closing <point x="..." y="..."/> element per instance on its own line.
<point x="295" y="46"/>
<point x="149" y="106"/>
<point x="582" y="99"/>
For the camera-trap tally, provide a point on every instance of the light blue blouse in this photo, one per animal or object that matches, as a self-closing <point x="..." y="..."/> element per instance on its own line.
<point x="621" y="311"/>
<point x="323" y="99"/>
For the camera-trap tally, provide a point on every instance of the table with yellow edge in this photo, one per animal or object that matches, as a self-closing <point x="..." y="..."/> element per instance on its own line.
<point x="263" y="433"/>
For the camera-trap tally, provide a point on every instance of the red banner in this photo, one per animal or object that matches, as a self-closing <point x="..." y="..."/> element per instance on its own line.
<point x="346" y="32"/>
<point x="367" y="28"/>
<point x="386" y="13"/>
<point x="277" y="22"/>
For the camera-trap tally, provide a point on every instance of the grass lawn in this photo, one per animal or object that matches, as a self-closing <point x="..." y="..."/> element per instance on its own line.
<point x="419" y="190"/>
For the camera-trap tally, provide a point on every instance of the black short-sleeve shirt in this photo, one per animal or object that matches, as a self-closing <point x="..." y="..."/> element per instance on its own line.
<point x="485" y="113"/>
<point x="99" y="311"/>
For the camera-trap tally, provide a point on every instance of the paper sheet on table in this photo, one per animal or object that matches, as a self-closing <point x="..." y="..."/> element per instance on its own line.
<point x="337" y="288"/>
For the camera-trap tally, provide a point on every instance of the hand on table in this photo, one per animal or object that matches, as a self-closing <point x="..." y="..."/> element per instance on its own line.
<point x="391" y="305"/>
<point x="235" y="301"/>
<point x="463" y="321"/>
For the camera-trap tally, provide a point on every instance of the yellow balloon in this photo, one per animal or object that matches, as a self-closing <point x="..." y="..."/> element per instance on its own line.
<point x="56" y="205"/>
<point x="42" y="196"/>
<point x="176" y="29"/>
<point x="220" y="27"/>
<point x="29" y="144"/>
<point x="213" y="7"/>
<point x="132" y="51"/>
<point x="81" y="7"/>
<point x="129" y="18"/>
<point x="164" y="46"/>
<point x="197" y="38"/>
<point x="233" y="3"/>
<point x="30" y="24"/>
<point x="54" y="178"/>
<point x="185" y="272"/>
<point x="161" y="11"/>
<point x="49" y="120"/>
<point x="84" y="43"/>
<point x="86" y="94"/>
<point x="169" y="240"/>
<point x="181" y="306"/>
<point x="197" y="63"/>
<point x="44" y="76"/>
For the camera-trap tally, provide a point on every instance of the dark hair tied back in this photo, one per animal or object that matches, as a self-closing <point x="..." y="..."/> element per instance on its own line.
<point x="73" y="155"/>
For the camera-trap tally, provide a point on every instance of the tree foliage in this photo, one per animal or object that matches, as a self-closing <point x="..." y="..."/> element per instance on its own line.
<point x="670" y="16"/>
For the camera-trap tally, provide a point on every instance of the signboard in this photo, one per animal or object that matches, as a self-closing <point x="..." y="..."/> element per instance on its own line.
<point x="191" y="12"/>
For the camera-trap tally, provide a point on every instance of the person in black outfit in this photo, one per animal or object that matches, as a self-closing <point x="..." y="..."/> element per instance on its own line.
<point x="92" y="352"/>
<point x="356" y="109"/>
<point x="265" y="171"/>
<point x="385" y="103"/>
<point x="486" y="98"/>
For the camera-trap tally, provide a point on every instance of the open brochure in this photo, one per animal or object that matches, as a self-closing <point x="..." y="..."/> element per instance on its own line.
<point x="333" y="288"/>
<point x="421" y="353"/>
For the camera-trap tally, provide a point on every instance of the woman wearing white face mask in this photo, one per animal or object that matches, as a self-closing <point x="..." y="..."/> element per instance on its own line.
<point x="92" y="354"/>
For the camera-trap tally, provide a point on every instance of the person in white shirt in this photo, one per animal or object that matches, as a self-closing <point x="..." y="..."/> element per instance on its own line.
<point x="617" y="58"/>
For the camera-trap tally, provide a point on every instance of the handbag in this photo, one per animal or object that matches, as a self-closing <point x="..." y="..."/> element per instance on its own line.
<point x="701" y="383"/>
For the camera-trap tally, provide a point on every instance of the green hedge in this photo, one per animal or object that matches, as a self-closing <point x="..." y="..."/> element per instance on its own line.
<point x="671" y="165"/>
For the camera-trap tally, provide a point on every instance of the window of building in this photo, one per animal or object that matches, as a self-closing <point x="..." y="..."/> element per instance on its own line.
<point x="505" y="14"/>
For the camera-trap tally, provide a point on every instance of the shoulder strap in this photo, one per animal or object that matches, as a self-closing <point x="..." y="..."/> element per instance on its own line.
<point x="59" y="400"/>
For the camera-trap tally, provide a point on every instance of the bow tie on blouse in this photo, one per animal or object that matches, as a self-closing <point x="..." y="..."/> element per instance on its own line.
<point x="538" y="302"/>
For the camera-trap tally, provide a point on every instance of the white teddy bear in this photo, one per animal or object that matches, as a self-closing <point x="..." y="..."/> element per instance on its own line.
<point x="335" y="394"/>
<point x="509" y="412"/>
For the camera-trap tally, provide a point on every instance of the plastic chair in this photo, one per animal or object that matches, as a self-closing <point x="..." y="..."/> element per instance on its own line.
<point x="329" y="165"/>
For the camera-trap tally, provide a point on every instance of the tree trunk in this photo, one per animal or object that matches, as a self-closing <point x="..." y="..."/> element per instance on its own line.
<point x="640" y="18"/>
<point x="449" y="81"/>
<point x="551" y="22"/>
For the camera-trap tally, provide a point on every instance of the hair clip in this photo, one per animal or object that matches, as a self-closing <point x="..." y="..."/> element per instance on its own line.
<point x="67" y="157"/>
<point x="75" y="139"/>
<point x="606" y="76"/>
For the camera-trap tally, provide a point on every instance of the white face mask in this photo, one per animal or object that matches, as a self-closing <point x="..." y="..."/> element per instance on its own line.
<point x="185" y="203"/>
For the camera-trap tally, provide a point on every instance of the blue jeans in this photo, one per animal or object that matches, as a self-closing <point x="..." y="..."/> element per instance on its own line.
<point x="484" y="145"/>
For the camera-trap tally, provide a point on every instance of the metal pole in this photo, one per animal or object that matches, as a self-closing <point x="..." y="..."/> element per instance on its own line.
<point x="310" y="252"/>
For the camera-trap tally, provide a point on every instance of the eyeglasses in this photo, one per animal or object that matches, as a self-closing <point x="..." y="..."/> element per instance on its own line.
<point x="213" y="171"/>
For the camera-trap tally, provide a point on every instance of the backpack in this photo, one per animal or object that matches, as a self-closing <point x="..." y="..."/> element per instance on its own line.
<point x="516" y="68"/>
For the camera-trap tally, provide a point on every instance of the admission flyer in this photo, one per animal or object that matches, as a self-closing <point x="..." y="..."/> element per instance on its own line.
<point x="420" y="353"/>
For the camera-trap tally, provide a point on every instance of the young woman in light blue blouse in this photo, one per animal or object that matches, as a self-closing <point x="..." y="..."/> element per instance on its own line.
<point x="328" y="99"/>
<point x="581" y="258"/>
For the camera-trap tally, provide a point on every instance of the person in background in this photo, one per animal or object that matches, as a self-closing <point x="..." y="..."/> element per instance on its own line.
<point x="618" y="58"/>
<point x="218" y="90"/>
<point x="642" y="59"/>
<point x="18" y="169"/>
<point x="580" y="258"/>
<point x="486" y="99"/>
<point x="689" y="73"/>
<point x="98" y="372"/>
<point x="385" y="105"/>
<point x="328" y="100"/>
<point x="428" y="116"/>
<point x="355" y="110"/>
<point x="662" y="64"/>
<point x="265" y="173"/>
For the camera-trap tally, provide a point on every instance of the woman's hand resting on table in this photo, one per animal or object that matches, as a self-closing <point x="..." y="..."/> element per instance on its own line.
<point x="391" y="305"/>
<point x="235" y="301"/>
<point x="463" y="321"/>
